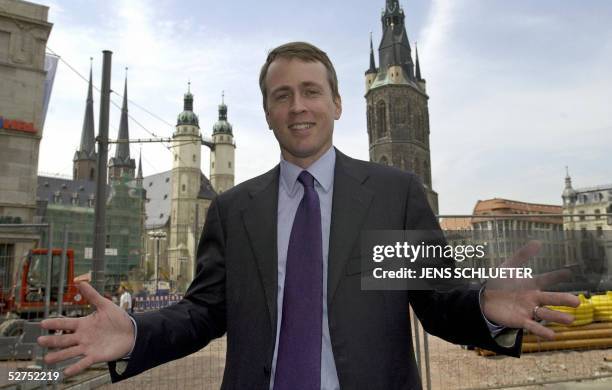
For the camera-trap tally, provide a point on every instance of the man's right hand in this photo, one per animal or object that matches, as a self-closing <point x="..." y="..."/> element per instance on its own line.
<point x="105" y="335"/>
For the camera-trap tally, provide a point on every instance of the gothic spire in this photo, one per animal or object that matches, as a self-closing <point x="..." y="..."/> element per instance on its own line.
<point x="139" y="175"/>
<point x="394" y="48"/>
<point x="122" y="153"/>
<point x="372" y="68"/>
<point x="418" y="66"/>
<point x="88" y="142"/>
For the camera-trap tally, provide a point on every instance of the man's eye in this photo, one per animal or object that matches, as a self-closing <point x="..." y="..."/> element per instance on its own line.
<point x="312" y="92"/>
<point x="281" y="97"/>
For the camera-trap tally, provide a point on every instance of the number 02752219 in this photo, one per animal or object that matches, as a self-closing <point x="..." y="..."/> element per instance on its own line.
<point x="33" y="375"/>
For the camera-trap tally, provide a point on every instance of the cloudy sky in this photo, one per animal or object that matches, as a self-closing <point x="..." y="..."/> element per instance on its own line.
<point x="518" y="89"/>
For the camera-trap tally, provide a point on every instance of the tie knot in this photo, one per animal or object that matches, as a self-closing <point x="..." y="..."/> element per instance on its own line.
<point x="306" y="179"/>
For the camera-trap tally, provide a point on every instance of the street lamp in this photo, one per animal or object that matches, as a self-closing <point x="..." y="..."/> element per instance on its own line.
<point x="157" y="235"/>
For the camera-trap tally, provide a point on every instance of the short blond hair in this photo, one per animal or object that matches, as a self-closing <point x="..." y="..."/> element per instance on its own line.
<point x="303" y="51"/>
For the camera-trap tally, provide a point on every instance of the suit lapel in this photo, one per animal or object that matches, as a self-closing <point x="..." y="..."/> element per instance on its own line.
<point x="260" y="221"/>
<point x="350" y="204"/>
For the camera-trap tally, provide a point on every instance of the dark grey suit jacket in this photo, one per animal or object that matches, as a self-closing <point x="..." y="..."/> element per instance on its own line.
<point x="235" y="288"/>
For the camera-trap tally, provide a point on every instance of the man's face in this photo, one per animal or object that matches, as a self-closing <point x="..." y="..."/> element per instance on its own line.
<point x="301" y="109"/>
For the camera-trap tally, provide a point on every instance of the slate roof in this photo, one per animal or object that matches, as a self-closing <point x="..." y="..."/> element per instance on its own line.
<point x="159" y="197"/>
<point x="66" y="189"/>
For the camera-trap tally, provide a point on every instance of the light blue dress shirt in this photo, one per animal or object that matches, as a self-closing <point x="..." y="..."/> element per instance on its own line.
<point x="290" y="193"/>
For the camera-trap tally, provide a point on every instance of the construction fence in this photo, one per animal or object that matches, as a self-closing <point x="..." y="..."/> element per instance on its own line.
<point x="580" y="352"/>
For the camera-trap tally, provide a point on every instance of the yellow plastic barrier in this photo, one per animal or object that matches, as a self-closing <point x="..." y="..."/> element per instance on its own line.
<point x="602" y="307"/>
<point x="583" y="314"/>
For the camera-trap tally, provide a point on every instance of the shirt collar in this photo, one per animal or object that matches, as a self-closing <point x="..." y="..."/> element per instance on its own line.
<point x="322" y="170"/>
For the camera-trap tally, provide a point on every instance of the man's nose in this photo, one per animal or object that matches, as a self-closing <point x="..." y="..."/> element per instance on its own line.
<point x="297" y="104"/>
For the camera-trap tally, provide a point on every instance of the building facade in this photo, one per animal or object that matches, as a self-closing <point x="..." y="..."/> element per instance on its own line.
<point x="178" y="200"/>
<point x="24" y="31"/>
<point x="590" y="229"/>
<point x="507" y="225"/>
<point x="397" y="103"/>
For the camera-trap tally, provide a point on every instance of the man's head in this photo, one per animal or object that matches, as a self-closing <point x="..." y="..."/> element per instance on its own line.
<point x="301" y="100"/>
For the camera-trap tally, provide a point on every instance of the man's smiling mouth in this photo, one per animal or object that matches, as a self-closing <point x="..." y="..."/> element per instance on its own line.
<point x="301" y="126"/>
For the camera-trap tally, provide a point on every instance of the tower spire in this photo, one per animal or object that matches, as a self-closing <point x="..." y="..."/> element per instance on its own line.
<point x="87" y="147"/>
<point x="394" y="48"/>
<point x="418" y="65"/>
<point x="372" y="68"/>
<point x="139" y="176"/>
<point x="122" y="153"/>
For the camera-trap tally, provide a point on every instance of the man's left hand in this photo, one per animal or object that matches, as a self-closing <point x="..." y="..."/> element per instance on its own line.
<point x="520" y="303"/>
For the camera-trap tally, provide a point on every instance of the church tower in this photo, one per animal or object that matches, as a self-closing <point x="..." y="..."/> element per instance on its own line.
<point x="122" y="164"/>
<point x="186" y="180"/>
<point x="222" y="154"/>
<point x="397" y="108"/>
<point x="85" y="159"/>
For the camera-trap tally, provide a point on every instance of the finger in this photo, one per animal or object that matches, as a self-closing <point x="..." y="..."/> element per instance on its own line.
<point x="91" y="294"/>
<point x="83" y="278"/>
<point x="539" y="330"/>
<point x="62" y="341"/>
<point x="558" y="299"/>
<point x="550" y="315"/>
<point x="64" y="354"/>
<point x="552" y="278"/>
<point x="522" y="255"/>
<point x="79" y="366"/>
<point x="60" y="323"/>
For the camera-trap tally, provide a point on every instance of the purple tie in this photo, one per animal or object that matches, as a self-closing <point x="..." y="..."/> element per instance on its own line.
<point x="298" y="364"/>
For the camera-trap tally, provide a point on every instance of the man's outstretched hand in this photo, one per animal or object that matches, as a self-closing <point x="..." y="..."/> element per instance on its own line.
<point x="105" y="335"/>
<point x="519" y="303"/>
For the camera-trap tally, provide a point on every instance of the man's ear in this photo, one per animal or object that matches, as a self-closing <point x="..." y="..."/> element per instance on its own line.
<point x="338" y="104"/>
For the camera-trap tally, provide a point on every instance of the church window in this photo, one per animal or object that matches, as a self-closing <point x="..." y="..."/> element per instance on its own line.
<point x="150" y="184"/>
<point x="417" y="168"/>
<point x="57" y="197"/>
<point x="229" y="164"/>
<point x="165" y="196"/>
<point x="381" y="119"/>
<point x="400" y="111"/>
<point x="74" y="174"/>
<point x="175" y="157"/>
<point x="92" y="174"/>
<point x="194" y="158"/>
<point x="183" y="187"/>
<point x="383" y="161"/>
<point x="212" y="164"/>
<point x="426" y="173"/>
<point x="167" y="180"/>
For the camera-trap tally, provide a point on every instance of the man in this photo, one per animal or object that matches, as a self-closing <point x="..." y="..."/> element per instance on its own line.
<point x="279" y="268"/>
<point x="125" y="299"/>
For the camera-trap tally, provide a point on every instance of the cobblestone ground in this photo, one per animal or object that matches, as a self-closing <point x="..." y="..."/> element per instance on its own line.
<point x="451" y="367"/>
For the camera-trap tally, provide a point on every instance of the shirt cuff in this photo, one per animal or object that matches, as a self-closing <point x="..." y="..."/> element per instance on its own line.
<point x="135" y="335"/>
<point x="494" y="329"/>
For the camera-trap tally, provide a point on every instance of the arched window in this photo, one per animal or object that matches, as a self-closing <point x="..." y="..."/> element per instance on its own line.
<point x="401" y="111"/>
<point x="92" y="174"/>
<point x="381" y="119"/>
<point x="370" y="120"/>
<point x="383" y="161"/>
